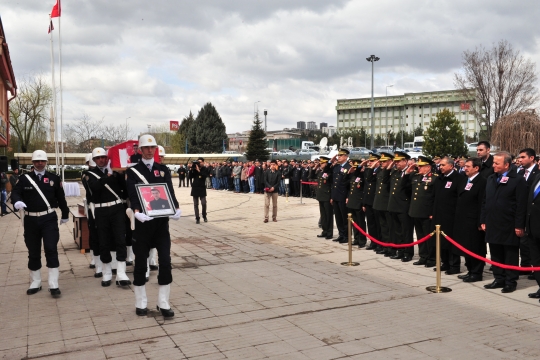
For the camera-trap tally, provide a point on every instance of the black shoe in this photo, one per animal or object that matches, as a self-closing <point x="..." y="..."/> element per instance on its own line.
<point x="321" y="235"/>
<point x="92" y="266"/>
<point x="339" y="238"/>
<point x="380" y="251"/>
<point x="472" y="278"/>
<point x="389" y="254"/>
<point x="531" y="277"/>
<point x="370" y="247"/>
<point x="508" y="289"/>
<point x="355" y="242"/>
<point x="123" y="283"/>
<point x="106" y="283"/>
<point x="452" y="271"/>
<point x="444" y="267"/>
<point x="153" y="267"/>
<point x="197" y="221"/>
<point x="98" y="275"/>
<point x="406" y="258"/>
<point x="205" y="219"/>
<point x="494" y="285"/>
<point x="32" y="291"/>
<point x="147" y="279"/>
<point x="343" y="241"/>
<point x="361" y="245"/>
<point x="430" y="264"/>
<point x="420" y="262"/>
<point x="535" y="295"/>
<point x="114" y="271"/>
<point x="329" y="237"/>
<point x="463" y="276"/>
<point x="55" y="292"/>
<point x="397" y="256"/>
<point x="129" y="263"/>
<point x="525" y="272"/>
<point x="167" y="313"/>
<point x="141" y="312"/>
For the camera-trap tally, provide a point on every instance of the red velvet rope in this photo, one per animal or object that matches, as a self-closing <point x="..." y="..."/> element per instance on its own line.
<point x="503" y="266"/>
<point x="425" y="238"/>
<point x="309" y="183"/>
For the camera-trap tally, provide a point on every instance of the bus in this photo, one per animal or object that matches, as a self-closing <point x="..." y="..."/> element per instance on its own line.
<point x="418" y="142"/>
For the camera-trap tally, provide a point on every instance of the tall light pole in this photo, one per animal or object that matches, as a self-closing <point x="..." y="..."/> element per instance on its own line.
<point x="386" y="128"/>
<point x="372" y="60"/>
<point x="265" y="113"/>
<point x="127" y="127"/>
<point x="254" y="111"/>
<point x="149" y="126"/>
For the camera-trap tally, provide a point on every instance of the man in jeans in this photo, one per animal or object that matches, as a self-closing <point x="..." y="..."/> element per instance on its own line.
<point x="237" y="171"/>
<point x="271" y="184"/>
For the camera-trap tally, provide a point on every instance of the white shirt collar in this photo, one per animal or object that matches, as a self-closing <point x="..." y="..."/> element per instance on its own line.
<point x="449" y="173"/>
<point x="531" y="168"/>
<point x="475" y="175"/>
<point x="39" y="172"/>
<point x="146" y="162"/>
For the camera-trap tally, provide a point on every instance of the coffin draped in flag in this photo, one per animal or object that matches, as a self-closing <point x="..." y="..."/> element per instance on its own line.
<point x="120" y="154"/>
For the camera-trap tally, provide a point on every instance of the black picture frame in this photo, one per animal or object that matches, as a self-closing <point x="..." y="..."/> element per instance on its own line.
<point x="163" y="206"/>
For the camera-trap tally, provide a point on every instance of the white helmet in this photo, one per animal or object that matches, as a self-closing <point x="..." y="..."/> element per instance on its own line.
<point x="147" y="140"/>
<point x="161" y="150"/>
<point x="90" y="160"/>
<point x="98" y="152"/>
<point x="39" y="155"/>
<point x="87" y="157"/>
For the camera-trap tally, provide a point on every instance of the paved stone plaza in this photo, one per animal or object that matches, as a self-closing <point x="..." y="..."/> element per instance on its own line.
<point x="248" y="290"/>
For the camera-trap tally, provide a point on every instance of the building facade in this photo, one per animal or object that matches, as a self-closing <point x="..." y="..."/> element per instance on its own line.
<point x="301" y="125"/>
<point x="311" y="125"/>
<point x="7" y="84"/>
<point x="323" y="125"/>
<point x="406" y="112"/>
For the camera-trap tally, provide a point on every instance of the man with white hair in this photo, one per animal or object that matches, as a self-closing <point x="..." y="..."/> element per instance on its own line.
<point x="38" y="193"/>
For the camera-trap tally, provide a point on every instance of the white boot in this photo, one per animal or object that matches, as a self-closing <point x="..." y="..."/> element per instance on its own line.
<point x="141" y="301"/>
<point x="114" y="262"/>
<point x="152" y="259"/>
<point x="163" y="301"/>
<point x="53" y="281"/>
<point x="147" y="270"/>
<point x="121" y="277"/>
<point x="130" y="256"/>
<point x="92" y="259"/>
<point x="35" y="282"/>
<point x="107" y="275"/>
<point x="99" y="267"/>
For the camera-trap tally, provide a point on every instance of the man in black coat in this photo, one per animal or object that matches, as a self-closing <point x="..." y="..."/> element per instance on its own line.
<point x="296" y="174"/>
<point x="324" y="188"/>
<point x="533" y="229"/>
<point x="503" y="219"/>
<point x="198" y="174"/>
<point x="370" y="182"/>
<point x="272" y="177"/>
<point x="483" y="150"/>
<point x="340" y="188"/>
<point x="354" y="201"/>
<point x="182" y="176"/>
<point x="380" y="203"/>
<point x="259" y="178"/>
<point x="528" y="170"/>
<point x="467" y="227"/>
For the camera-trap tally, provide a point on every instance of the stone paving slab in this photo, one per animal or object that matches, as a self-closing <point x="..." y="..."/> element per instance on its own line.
<point x="243" y="289"/>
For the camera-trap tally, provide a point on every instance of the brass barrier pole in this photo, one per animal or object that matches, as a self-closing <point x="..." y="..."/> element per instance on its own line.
<point x="438" y="288"/>
<point x="349" y="235"/>
<point x="301" y="186"/>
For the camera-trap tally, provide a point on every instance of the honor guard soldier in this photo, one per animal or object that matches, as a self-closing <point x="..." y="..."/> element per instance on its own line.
<point x="38" y="193"/>
<point x="422" y="206"/>
<point x="380" y="203"/>
<point x="151" y="232"/>
<point x="398" y="206"/>
<point x="370" y="183"/>
<point x="108" y="193"/>
<point x="340" y="188"/>
<point x="89" y="210"/>
<point x="323" y="197"/>
<point x="354" y="201"/>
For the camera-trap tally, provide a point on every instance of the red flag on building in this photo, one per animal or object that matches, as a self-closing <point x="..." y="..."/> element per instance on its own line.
<point x="56" y="10"/>
<point x="174" y="126"/>
<point x="51" y="27"/>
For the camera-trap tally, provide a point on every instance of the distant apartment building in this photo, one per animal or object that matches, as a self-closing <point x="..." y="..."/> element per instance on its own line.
<point x="329" y="130"/>
<point x="301" y="125"/>
<point x="323" y="125"/>
<point x="311" y="125"/>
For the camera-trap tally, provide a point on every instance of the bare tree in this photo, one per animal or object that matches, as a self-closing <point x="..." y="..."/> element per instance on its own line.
<point x="84" y="134"/>
<point x="500" y="80"/>
<point x="29" y="110"/>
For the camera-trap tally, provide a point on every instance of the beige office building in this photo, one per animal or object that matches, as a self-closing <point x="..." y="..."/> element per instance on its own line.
<point x="405" y="112"/>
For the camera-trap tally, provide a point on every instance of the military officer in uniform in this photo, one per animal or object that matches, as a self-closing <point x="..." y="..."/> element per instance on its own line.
<point x="38" y="193"/>
<point x="370" y="181"/>
<point x="398" y="206"/>
<point x="323" y="197"/>
<point x="108" y="193"/>
<point x="340" y="188"/>
<point x="380" y="203"/>
<point x="354" y="201"/>
<point x="151" y="232"/>
<point x="422" y="206"/>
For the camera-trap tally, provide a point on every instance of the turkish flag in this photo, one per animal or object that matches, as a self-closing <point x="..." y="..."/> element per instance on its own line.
<point x="56" y="10"/>
<point x="51" y="27"/>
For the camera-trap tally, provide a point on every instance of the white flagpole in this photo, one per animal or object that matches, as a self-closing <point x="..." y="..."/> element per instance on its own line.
<point x="54" y="97"/>
<point x="61" y="99"/>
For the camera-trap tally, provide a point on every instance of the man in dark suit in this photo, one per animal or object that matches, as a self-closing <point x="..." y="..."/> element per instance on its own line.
<point x="198" y="173"/>
<point x="380" y="203"/>
<point x="503" y="219"/>
<point x="354" y="201"/>
<point x="370" y="182"/>
<point x="324" y="187"/>
<point x="483" y="150"/>
<point x="182" y="176"/>
<point x="296" y="174"/>
<point x="340" y="188"/>
<point x="467" y="230"/>
<point x="533" y="229"/>
<point x="158" y="203"/>
<point x="528" y="170"/>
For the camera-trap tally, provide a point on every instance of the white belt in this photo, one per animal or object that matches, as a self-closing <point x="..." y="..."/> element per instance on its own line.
<point x="109" y="203"/>
<point x="38" y="213"/>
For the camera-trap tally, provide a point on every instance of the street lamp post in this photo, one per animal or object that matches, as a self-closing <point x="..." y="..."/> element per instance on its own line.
<point x="127" y="127"/>
<point x="386" y="127"/>
<point x="372" y="60"/>
<point x="265" y="113"/>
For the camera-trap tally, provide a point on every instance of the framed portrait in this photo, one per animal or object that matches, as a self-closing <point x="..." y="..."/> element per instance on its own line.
<point x="155" y="199"/>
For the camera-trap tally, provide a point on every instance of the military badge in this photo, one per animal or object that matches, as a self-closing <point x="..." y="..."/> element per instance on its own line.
<point x="448" y="185"/>
<point x="468" y="186"/>
<point x="45" y="180"/>
<point x="504" y="179"/>
<point x="156" y="173"/>
<point x="162" y="173"/>
<point x="52" y="183"/>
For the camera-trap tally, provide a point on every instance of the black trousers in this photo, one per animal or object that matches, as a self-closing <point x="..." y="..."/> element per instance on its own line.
<point x="385" y="222"/>
<point x="37" y="228"/>
<point x="306" y="191"/>
<point x="340" y="213"/>
<point x="196" y="206"/>
<point x="474" y="266"/>
<point x="230" y="182"/>
<point x="359" y="217"/>
<point x="534" y="246"/>
<point x="524" y="251"/>
<point x="402" y="234"/>
<point x="422" y="227"/>
<point x="111" y="227"/>
<point x="373" y="225"/>
<point x="93" y="235"/>
<point x="129" y="232"/>
<point x="181" y="181"/>
<point x="327" y="218"/>
<point x="295" y="190"/>
<point x="148" y="235"/>
<point x="508" y="255"/>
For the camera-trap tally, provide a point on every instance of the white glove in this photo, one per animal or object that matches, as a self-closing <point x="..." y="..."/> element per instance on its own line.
<point x="63" y="221"/>
<point x="142" y="217"/>
<point x="176" y="216"/>
<point x="19" y="205"/>
<point x="109" y="167"/>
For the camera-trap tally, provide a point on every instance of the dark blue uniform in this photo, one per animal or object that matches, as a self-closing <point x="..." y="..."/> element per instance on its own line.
<point x="340" y="189"/>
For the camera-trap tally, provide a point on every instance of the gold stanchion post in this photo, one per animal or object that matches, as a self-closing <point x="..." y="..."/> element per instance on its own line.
<point x="349" y="235"/>
<point x="438" y="288"/>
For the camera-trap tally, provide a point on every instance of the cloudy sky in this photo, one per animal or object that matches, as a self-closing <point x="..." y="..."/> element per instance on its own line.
<point x="154" y="61"/>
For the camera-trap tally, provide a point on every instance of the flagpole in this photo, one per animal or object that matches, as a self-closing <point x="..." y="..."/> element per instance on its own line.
<point x="61" y="98"/>
<point x="54" y="98"/>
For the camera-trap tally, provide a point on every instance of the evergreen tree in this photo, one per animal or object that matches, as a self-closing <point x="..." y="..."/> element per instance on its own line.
<point x="207" y="133"/>
<point x="182" y="133"/>
<point x="256" y="147"/>
<point x="444" y="136"/>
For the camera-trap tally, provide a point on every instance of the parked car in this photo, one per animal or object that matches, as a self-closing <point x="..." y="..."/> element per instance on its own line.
<point x="359" y="151"/>
<point x="286" y="152"/>
<point x="307" y="152"/>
